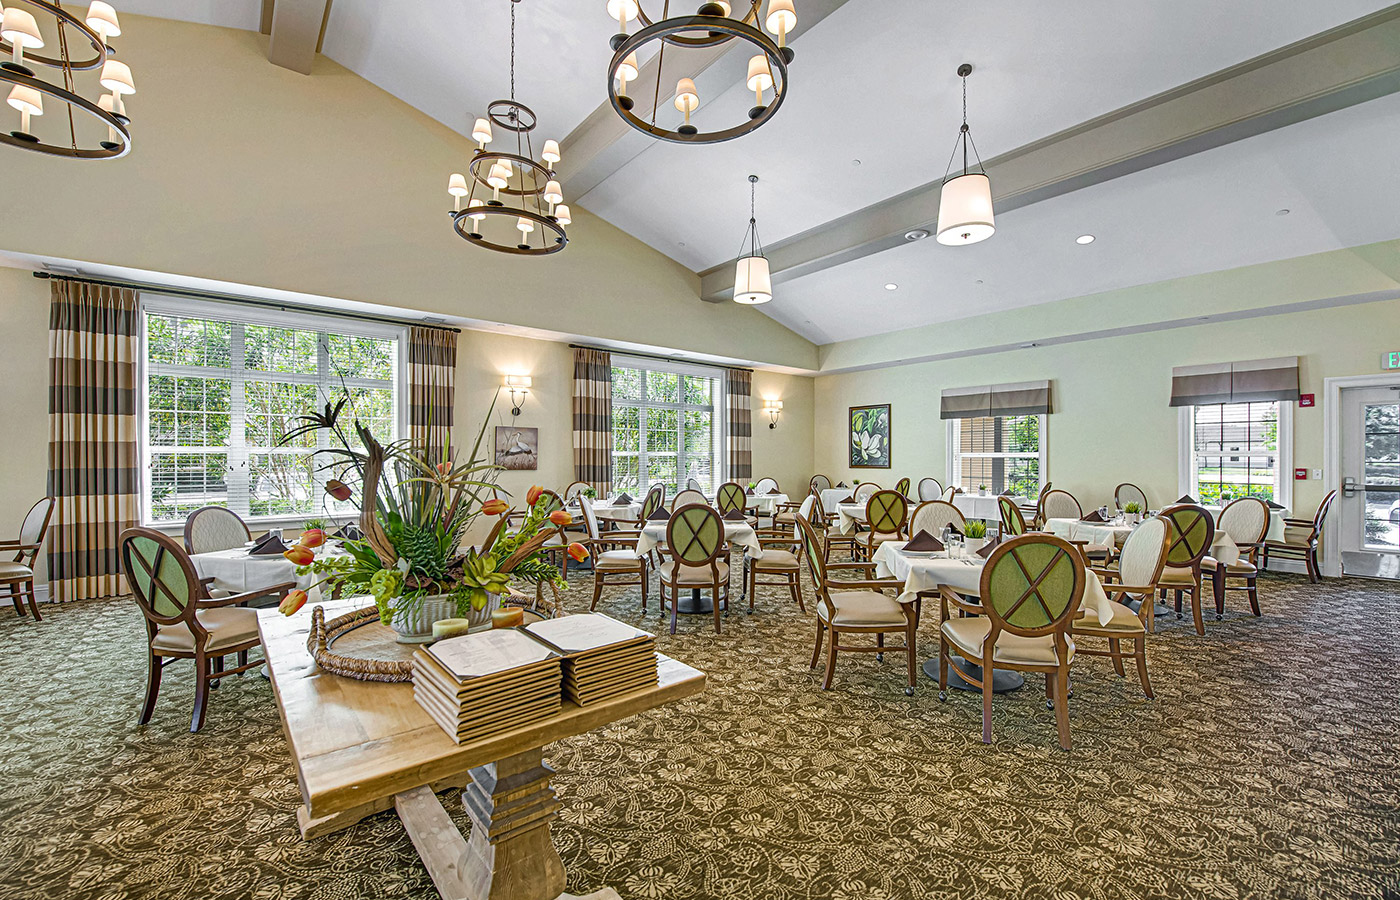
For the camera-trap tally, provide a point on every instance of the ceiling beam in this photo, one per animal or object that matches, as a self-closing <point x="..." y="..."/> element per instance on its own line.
<point x="297" y="27"/>
<point x="603" y="143"/>
<point x="1338" y="68"/>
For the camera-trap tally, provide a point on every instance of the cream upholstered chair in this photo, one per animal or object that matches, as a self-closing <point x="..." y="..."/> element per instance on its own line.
<point x="1126" y="493"/>
<point x="694" y="485"/>
<point x="821" y="522"/>
<point x="778" y="558"/>
<point x="695" y="541"/>
<point x="885" y="515"/>
<point x="688" y="497"/>
<point x="929" y="489"/>
<point x="614" y="557"/>
<point x="766" y="486"/>
<point x="933" y="516"/>
<point x="1192" y="532"/>
<point x="182" y="622"/>
<point x="1059" y="505"/>
<point x="210" y="529"/>
<point x="818" y="484"/>
<point x="1030" y="592"/>
<point x="863" y="491"/>
<point x="1134" y="582"/>
<point x="574" y="490"/>
<point x="857" y="607"/>
<point x="17" y="573"/>
<point x="949" y="493"/>
<point x="1301" y="538"/>
<point x="1246" y="521"/>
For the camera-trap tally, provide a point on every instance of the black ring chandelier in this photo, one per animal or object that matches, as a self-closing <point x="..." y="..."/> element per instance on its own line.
<point x="508" y="202"/>
<point x="21" y="38"/>
<point x="711" y="25"/>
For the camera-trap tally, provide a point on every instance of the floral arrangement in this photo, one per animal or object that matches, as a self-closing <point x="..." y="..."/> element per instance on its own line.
<point x="413" y="515"/>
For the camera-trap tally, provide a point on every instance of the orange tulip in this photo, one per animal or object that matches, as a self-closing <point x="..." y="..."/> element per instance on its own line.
<point x="292" y="602"/>
<point x="533" y="494"/>
<point x="561" y="518"/>
<point x="444" y="467"/>
<point x="578" y="551"/>
<point x="301" y="555"/>
<point x="495" y="507"/>
<point x="312" y="537"/>
<point x="338" y="489"/>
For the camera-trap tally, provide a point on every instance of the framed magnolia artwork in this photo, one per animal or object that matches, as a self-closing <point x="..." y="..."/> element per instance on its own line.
<point x="870" y="437"/>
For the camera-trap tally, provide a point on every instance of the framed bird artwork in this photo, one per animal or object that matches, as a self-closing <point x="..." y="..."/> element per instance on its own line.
<point x="517" y="448"/>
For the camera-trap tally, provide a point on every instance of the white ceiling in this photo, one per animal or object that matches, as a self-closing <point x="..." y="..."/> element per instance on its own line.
<point x="874" y="81"/>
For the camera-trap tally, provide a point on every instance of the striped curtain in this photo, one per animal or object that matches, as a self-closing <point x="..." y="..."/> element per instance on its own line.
<point x="93" y="455"/>
<point x="432" y="367"/>
<point x="593" y="418"/>
<point x="737" y="386"/>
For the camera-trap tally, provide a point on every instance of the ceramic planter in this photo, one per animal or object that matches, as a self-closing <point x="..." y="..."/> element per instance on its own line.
<point x="415" y="626"/>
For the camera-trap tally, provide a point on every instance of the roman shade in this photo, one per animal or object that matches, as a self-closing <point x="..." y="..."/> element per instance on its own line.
<point x="1023" y="398"/>
<point x="1236" y="382"/>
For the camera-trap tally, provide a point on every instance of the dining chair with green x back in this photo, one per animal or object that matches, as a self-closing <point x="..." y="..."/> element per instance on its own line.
<point x="1030" y="592"/>
<point x="886" y="513"/>
<point x="695" y="538"/>
<point x="858" y="607"/>
<point x="902" y="487"/>
<point x="182" y="622"/>
<point x="1013" y="523"/>
<point x="1192" y="533"/>
<point x="1246" y="521"/>
<point x="731" y="497"/>
<point x="651" y="503"/>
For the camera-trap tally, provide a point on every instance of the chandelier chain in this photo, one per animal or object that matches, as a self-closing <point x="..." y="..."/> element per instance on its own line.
<point x="67" y="77"/>
<point x="512" y="56"/>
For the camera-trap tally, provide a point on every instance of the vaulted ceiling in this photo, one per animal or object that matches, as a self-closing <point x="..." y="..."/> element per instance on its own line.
<point x="871" y="117"/>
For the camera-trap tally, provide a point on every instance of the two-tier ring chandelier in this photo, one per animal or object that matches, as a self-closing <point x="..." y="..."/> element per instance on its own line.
<point x="101" y="128"/>
<point x="714" y="23"/>
<point x="508" y="201"/>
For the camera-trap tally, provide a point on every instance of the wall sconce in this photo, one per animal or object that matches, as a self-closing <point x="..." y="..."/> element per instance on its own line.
<point x="774" y="408"/>
<point x="519" y="387"/>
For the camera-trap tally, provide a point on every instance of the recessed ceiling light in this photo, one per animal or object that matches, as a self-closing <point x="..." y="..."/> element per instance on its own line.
<point x="1084" y="239"/>
<point x="918" y="234"/>
<point x="979" y="281"/>
<point x="855" y="162"/>
<point x="680" y="243"/>
<point x="891" y="286"/>
<point x="1283" y="212"/>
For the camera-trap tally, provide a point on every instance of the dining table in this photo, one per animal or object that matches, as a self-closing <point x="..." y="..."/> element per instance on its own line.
<point x="923" y="575"/>
<point x="833" y="497"/>
<point x="982" y="506"/>
<point x="1098" y="534"/>
<point x="765" y="504"/>
<point x="235" y="570"/>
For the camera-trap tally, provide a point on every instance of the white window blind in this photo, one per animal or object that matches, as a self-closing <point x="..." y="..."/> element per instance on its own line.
<point x="1001" y="452"/>
<point x="1237" y="450"/>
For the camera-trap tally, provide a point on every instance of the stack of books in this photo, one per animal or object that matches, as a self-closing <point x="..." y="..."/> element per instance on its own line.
<point x="479" y="684"/>
<point x="602" y="656"/>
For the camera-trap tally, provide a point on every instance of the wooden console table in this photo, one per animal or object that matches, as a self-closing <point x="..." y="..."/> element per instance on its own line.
<point x="362" y="747"/>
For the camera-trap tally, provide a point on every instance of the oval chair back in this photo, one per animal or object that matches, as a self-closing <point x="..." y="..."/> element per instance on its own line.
<point x="1320" y="516"/>
<point x="818" y="483"/>
<point x="810" y="504"/>
<point x="934" y="515"/>
<point x="929" y="489"/>
<point x="901" y="487"/>
<point x="32" y="531"/>
<point x="885" y="512"/>
<point x="1192" y="532"/>
<point x="590" y="520"/>
<point x="694" y="485"/>
<point x="654" y="498"/>
<point x="1031" y="586"/>
<point x="162" y="579"/>
<point x="864" y="490"/>
<point x="948" y="494"/>
<point x="212" y="528"/>
<point x="551" y="501"/>
<point x="1126" y="493"/>
<point x="695" y="535"/>
<point x="730" y="497"/>
<point x="574" y="490"/>
<point x="816" y="562"/>
<point x="818" y="514"/>
<point x="1012" y="522"/>
<point x="688" y="497"/>
<point x="1144" y="554"/>
<point x="1059" y="505"/>
<point x="1246" y="521"/>
<point x="766" y="486"/>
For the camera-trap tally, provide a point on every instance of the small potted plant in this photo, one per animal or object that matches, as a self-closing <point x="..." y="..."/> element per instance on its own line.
<point x="1132" y="511"/>
<point x="590" y="492"/>
<point x="982" y="489"/>
<point x="974" y="535"/>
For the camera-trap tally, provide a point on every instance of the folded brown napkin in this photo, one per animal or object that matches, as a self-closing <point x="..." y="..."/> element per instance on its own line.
<point x="622" y="500"/>
<point x="661" y="514"/>
<point x="768" y="492"/>
<point x="850" y="498"/>
<point x="841" y="484"/>
<point x="986" y="549"/>
<point x="735" y="515"/>
<point x="1273" y="505"/>
<point x="1006" y="493"/>
<point x="268" y="545"/>
<point x="924" y="542"/>
<point x="1092" y="517"/>
<point x="748" y="491"/>
<point x="1186" y="498"/>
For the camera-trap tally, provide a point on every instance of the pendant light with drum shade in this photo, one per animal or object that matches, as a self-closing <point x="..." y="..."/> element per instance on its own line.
<point x="752" y="284"/>
<point x="965" y="205"/>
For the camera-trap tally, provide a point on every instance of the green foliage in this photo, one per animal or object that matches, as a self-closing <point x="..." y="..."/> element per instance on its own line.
<point x="1133" y="507"/>
<point x="975" y="528"/>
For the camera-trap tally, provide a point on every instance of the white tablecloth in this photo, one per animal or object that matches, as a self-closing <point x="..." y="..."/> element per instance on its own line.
<point x="766" y="504"/>
<point x="1100" y="535"/>
<point x="740" y="533"/>
<point x="976" y="506"/>
<point x="1275" y="531"/>
<point x="604" y="509"/>
<point x="922" y="573"/>
<point x="235" y="571"/>
<point x="832" y="497"/>
<point x="848" y="516"/>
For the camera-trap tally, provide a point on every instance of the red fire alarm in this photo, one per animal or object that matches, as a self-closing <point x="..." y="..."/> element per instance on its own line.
<point x="1300" y="474"/>
<point x="1307" y="400"/>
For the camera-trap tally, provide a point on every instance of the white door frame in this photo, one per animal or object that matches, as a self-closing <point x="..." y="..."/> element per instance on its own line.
<point x="1332" y="455"/>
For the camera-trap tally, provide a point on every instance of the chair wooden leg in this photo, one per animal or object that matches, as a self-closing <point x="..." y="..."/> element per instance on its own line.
<point x="675" y="606"/>
<point x="880" y="642"/>
<point x="153" y="673"/>
<point x="242" y="660"/>
<point x="216" y="666"/>
<point x="15" y="599"/>
<point x="1140" y="654"/>
<point x="33" y="602"/>
<point x="830" y="661"/>
<point x="910" y="641"/>
<point x="645" y="578"/>
<point x="1196" y="592"/>
<point x="1062" y="705"/>
<point x="1310" y="560"/>
<point x="1115" y="650"/>
<point x="796" y="584"/>
<point x="1252" y="584"/>
<point x="201" y="691"/>
<point x="598" y="590"/>
<point x="715" y="605"/>
<point x="942" y="667"/>
<point x="817" y="653"/>
<point x="987" y="676"/>
<point x="752" y="587"/>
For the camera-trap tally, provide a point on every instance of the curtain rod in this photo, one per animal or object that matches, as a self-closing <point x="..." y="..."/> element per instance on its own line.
<point x="657" y="356"/>
<point x="246" y="301"/>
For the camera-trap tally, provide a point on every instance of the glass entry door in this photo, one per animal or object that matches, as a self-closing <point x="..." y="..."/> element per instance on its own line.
<point x="1369" y="500"/>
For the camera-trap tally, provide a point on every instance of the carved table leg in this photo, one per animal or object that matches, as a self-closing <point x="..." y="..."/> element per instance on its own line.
<point x="510" y="855"/>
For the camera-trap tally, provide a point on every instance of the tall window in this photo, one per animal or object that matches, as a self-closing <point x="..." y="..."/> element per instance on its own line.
<point x="1235" y="451"/>
<point x="220" y="393"/>
<point x="1000" y="452"/>
<point x="666" y="426"/>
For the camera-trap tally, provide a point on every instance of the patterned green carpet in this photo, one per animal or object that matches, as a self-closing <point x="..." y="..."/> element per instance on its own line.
<point x="1266" y="767"/>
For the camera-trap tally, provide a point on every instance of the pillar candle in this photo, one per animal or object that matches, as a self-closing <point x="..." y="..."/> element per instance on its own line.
<point x="508" y="617"/>
<point x="446" y="628"/>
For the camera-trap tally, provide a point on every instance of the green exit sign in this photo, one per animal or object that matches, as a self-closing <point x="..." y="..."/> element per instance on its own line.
<point x="1391" y="360"/>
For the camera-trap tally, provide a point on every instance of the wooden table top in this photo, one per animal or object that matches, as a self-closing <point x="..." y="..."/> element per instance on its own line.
<point x="355" y="742"/>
